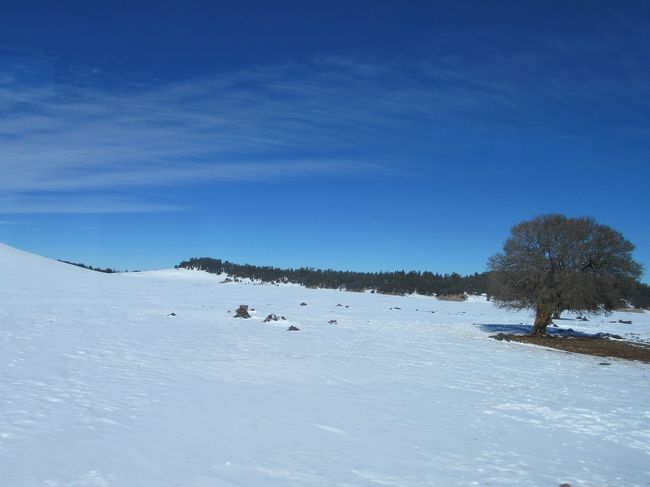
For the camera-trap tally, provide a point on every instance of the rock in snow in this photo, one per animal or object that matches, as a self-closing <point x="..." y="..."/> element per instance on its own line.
<point x="242" y="311"/>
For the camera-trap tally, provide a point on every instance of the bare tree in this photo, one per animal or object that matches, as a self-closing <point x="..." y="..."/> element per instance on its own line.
<point x="553" y="263"/>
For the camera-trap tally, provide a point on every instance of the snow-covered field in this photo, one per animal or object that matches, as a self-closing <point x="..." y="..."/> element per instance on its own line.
<point x="100" y="387"/>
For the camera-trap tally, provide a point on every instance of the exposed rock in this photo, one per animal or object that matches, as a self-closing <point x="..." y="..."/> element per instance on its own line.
<point x="625" y="322"/>
<point x="332" y="322"/>
<point x="501" y="337"/>
<point x="271" y="317"/>
<point x="172" y="314"/>
<point x="340" y="305"/>
<point x="226" y="280"/>
<point x="303" y="304"/>
<point x="293" y="328"/>
<point x="242" y="311"/>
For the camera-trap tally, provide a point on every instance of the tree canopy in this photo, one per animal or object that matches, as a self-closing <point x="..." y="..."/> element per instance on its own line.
<point x="554" y="263"/>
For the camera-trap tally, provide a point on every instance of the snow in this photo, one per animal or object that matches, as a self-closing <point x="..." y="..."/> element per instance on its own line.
<point x="99" y="386"/>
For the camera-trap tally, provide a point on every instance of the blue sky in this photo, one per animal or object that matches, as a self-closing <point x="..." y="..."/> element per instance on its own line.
<point x="349" y="135"/>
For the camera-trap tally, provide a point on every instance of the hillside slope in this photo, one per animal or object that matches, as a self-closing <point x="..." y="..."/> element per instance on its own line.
<point x="101" y="386"/>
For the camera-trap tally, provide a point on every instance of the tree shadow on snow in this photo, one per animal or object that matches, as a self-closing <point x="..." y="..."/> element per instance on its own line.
<point x="521" y="329"/>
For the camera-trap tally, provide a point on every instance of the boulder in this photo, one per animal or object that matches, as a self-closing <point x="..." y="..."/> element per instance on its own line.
<point x="242" y="311"/>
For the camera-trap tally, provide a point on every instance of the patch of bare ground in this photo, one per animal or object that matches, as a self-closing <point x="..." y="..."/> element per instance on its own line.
<point x="452" y="297"/>
<point x="598" y="346"/>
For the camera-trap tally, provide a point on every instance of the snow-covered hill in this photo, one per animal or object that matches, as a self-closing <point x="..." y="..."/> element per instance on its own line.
<point x="100" y="387"/>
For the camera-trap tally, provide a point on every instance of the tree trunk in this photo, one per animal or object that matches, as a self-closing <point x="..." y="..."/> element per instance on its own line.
<point x="542" y="319"/>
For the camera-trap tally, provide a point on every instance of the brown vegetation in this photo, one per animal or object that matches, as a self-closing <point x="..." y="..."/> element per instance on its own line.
<point x="598" y="346"/>
<point x="452" y="297"/>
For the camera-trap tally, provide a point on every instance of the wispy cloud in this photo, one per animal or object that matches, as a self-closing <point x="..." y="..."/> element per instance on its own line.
<point x="61" y="136"/>
<point x="245" y="126"/>
<point x="72" y="203"/>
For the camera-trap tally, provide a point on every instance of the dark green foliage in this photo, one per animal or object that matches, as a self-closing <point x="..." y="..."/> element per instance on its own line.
<point x="399" y="282"/>
<point x="89" y="267"/>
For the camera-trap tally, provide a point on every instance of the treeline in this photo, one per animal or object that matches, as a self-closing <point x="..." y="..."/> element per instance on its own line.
<point x="399" y="282"/>
<point x="107" y="270"/>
